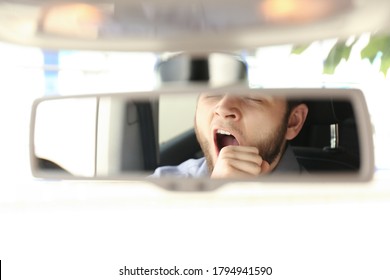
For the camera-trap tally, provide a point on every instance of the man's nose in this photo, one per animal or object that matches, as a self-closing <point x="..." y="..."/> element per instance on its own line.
<point x="229" y="107"/>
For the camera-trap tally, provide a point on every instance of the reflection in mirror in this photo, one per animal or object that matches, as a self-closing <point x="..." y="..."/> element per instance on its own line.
<point x="217" y="135"/>
<point x="65" y="135"/>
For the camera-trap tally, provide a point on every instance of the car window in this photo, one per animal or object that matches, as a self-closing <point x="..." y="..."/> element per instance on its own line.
<point x="170" y="108"/>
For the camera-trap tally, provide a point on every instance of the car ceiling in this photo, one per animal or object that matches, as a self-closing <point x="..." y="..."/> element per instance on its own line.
<point x="177" y="25"/>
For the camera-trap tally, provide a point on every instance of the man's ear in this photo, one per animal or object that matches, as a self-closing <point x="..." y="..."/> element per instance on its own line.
<point x="296" y="120"/>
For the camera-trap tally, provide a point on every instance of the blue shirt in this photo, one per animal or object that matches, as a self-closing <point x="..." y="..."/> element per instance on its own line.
<point x="198" y="167"/>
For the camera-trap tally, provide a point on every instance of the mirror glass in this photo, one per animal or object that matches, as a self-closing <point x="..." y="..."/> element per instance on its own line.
<point x="218" y="134"/>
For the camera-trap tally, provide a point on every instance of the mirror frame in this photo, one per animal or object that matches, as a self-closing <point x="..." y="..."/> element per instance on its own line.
<point x="355" y="96"/>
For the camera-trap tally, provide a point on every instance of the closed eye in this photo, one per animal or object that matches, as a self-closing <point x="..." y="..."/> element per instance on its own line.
<point x="257" y="100"/>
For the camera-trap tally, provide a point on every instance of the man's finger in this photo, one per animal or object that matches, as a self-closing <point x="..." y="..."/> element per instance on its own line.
<point x="245" y="154"/>
<point x="265" y="167"/>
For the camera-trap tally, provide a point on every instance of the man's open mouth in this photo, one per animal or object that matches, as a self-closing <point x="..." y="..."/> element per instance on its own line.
<point x="223" y="138"/>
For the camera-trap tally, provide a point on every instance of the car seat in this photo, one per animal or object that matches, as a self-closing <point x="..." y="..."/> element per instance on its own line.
<point x="329" y="140"/>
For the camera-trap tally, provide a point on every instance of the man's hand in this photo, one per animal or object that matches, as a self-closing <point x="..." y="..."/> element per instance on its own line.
<point x="239" y="161"/>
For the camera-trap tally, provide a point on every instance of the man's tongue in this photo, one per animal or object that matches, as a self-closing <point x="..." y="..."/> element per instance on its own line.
<point x="227" y="140"/>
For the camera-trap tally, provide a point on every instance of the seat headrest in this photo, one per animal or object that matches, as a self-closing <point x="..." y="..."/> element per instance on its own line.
<point x="328" y="112"/>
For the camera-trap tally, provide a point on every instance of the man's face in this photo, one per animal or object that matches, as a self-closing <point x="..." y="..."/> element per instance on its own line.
<point x="256" y="121"/>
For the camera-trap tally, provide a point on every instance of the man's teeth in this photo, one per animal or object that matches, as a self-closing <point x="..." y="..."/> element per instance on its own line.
<point x="220" y="131"/>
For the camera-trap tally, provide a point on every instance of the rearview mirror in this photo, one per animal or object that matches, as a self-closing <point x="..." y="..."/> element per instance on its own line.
<point x="129" y="136"/>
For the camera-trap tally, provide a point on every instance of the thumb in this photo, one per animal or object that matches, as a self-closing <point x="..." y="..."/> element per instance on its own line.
<point x="265" y="167"/>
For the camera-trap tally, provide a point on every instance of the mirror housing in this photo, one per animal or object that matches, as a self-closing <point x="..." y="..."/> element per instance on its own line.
<point x="118" y="133"/>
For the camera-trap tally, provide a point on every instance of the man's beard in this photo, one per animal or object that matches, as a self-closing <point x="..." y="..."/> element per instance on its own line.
<point x="269" y="148"/>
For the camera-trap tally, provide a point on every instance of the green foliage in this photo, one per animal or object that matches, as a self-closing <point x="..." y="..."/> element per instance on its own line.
<point x="299" y="49"/>
<point x="385" y="63"/>
<point x="378" y="47"/>
<point x="339" y="51"/>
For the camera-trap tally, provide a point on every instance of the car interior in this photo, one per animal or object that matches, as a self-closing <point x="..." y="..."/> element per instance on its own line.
<point x="327" y="142"/>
